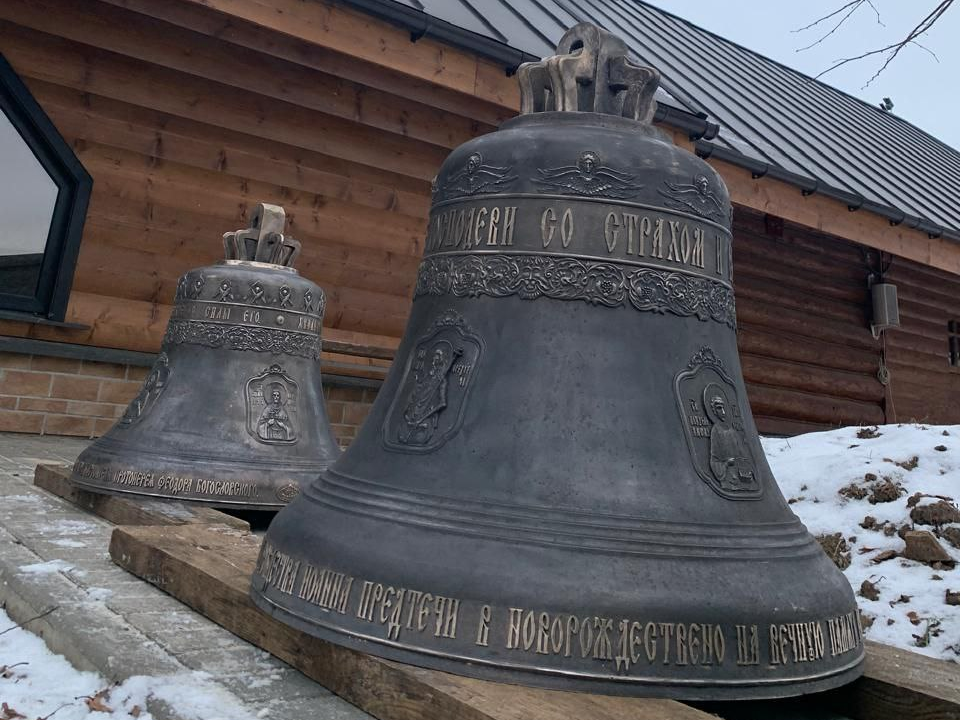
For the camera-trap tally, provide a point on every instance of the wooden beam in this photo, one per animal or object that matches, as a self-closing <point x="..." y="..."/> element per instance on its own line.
<point x="210" y="570"/>
<point x="355" y="34"/>
<point x="130" y="510"/>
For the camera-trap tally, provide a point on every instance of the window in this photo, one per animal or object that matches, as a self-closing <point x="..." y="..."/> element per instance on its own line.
<point x="43" y="201"/>
<point x="953" y="337"/>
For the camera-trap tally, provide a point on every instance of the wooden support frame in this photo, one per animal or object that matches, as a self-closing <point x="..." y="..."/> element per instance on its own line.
<point x="208" y="568"/>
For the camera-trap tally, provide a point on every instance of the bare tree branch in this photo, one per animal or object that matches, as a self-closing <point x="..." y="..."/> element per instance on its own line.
<point x="890" y="51"/>
<point x="853" y="8"/>
<point x="827" y="17"/>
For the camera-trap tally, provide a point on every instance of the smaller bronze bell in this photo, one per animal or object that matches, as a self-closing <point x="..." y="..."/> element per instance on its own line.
<point x="232" y="412"/>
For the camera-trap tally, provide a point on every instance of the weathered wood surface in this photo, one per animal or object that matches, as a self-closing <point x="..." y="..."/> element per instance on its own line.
<point x="209" y="568"/>
<point x="122" y="510"/>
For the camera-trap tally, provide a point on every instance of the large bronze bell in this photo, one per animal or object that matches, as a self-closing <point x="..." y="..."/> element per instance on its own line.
<point x="232" y="413"/>
<point x="560" y="482"/>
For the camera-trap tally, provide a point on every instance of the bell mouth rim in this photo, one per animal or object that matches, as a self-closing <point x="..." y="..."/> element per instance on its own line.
<point x="258" y="264"/>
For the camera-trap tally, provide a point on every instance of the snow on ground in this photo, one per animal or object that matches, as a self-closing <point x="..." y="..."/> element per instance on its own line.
<point x="34" y="683"/>
<point x="911" y="611"/>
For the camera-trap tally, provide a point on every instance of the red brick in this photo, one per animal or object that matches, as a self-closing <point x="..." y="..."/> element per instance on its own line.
<point x="42" y="405"/>
<point x="68" y="425"/>
<point x="346" y="394"/>
<point x="135" y="372"/>
<point x="21" y="422"/>
<point x="8" y="402"/>
<point x="101" y="425"/>
<point x="99" y="369"/>
<point x="119" y="391"/>
<point x="18" y="382"/>
<point x="14" y="361"/>
<point x="355" y="413"/>
<point x="75" y="387"/>
<point x="91" y="409"/>
<point x="54" y="364"/>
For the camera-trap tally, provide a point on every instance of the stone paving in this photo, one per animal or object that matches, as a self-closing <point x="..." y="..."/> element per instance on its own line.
<point x="53" y="555"/>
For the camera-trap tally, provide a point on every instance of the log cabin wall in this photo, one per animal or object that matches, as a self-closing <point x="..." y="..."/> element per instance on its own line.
<point x="186" y="117"/>
<point x="924" y="386"/>
<point x="803" y="327"/>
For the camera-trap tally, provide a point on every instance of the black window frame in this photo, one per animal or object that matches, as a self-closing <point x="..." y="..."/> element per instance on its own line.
<point x="70" y="210"/>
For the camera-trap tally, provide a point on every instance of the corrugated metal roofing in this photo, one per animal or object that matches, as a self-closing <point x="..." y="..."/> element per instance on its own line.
<point x="772" y="118"/>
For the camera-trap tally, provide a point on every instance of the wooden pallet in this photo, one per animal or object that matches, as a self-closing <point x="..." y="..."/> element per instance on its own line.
<point x="208" y="568"/>
<point x="130" y="509"/>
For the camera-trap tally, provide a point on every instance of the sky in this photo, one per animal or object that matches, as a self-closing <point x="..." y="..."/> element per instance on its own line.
<point x="920" y="86"/>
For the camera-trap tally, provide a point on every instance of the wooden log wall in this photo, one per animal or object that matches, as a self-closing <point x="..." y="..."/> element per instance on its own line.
<point x="188" y="113"/>
<point x="809" y="359"/>
<point x="924" y="386"/>
<point x="183" y="132"/>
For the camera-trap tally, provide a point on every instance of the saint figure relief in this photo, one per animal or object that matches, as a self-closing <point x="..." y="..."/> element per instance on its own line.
<point x="274" y="422"/>
<point x="429" y="395"/>
<point x="730" y="460"/>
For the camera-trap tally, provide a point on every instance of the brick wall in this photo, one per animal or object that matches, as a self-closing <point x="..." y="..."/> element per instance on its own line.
<point x="44" y="395"/>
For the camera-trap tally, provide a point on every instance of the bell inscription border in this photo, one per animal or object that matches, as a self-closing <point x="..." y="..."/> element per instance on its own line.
<point x="238" y="337"/>
<point x="629" y="649"/>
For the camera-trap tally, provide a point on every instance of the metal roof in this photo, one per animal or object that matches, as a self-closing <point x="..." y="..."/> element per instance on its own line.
<point x="772" y="119"/>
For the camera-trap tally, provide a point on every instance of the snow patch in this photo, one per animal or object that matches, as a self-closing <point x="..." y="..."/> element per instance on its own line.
<point x="45" y="568"/>
<point x="45" y="681"/>
<point x="911" y="611"/>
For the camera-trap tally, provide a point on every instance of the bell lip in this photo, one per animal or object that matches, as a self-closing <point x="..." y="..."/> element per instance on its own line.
<point x="258" y="264"/>
<point x="100" y="490"/>
<point x="556" y="679"/>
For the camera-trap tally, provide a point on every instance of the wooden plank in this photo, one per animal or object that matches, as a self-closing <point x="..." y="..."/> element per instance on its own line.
<point x="811" y="407"/>
<point x="783" y="344"/>
<point x="794" y="375"/>
<point x="204" y="20"/>
<point x="142" y="38"/>
<point x="56" y="60"/>
<point x="161" y="136"/>
<point x="210" y="571"/>
<point x="130" y="510"/>
<point x="209" y="568"/>
<point x="901" y="685"/>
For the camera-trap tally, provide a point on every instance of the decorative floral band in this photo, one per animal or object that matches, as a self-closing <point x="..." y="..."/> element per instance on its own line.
<point x="240" y="337"/>
<point x="561" y="278"/>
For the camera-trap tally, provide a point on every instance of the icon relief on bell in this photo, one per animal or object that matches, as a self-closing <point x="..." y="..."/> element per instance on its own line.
<point x="272" y="410"/>
<point x="429" y="407"/>
<point x="589" y="177"/>
<point x="713" y="424"/>
<point x="476" y="176"/>
<point x="696" y="197"/>
<point x="152" y="388"/>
